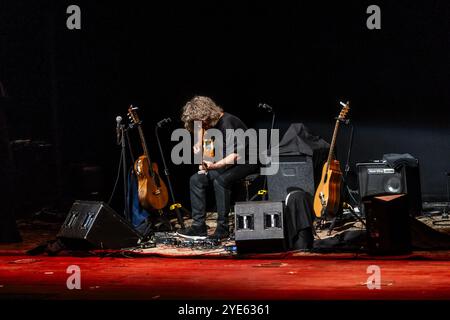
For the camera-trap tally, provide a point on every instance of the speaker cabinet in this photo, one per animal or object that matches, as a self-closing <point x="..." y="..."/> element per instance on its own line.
<point x="259" y="226"/>
<point x="377" y="178"/>
<point x="92" y="224"/>
<point x="294" y="171"/>
<point x="387" y="223"/>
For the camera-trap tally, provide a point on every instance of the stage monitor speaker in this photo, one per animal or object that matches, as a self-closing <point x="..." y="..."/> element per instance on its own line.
<point x="259" y="226"/>
<point x="387" y="223"/>
<point x="93" y="224"/>
<point x="377" y="178"/>
<point x="294" y="171"/>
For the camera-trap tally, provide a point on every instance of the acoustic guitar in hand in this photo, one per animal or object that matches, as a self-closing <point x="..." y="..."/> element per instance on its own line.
<point x="328" y="193"/>
<point x="152" y="191"/>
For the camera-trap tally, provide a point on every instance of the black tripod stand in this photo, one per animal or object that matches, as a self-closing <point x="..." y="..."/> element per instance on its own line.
<point x="177" y="207"/>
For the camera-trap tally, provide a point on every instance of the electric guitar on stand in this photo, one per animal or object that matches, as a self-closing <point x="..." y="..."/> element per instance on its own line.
<point x="328" y="193"/>
<point x="152" y="191"/>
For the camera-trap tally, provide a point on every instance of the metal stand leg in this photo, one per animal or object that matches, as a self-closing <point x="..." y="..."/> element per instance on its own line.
<point x="175" y="206"/>
<point x="333" y="224"/>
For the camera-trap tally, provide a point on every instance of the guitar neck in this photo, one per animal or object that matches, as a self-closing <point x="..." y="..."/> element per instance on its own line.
<point x="333" y="143"/>
<point x="144" y="145"/>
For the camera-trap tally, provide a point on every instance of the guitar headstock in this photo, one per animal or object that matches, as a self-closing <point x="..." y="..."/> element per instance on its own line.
<point x="133" y="116"/>
<point x="345" y="109"/>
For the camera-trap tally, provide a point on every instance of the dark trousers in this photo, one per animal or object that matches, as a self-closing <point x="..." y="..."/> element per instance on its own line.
<point x="222" y="181"/>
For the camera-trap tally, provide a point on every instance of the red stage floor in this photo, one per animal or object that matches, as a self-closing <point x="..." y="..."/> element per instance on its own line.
<point x="161" y="278"/>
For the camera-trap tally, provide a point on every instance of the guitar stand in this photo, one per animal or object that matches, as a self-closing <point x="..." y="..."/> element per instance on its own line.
<point x="157" y="223"/>
<point x="162" y="220"/>
<point x="175" y="206"/>
<point x="339" y="216"/>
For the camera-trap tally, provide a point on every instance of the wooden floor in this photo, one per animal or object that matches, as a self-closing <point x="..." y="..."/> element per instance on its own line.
<point x="162" y="278"/>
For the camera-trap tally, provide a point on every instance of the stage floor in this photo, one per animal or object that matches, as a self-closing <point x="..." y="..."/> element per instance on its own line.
<point x="171" y="278"/>
<point x="179" y="275"/>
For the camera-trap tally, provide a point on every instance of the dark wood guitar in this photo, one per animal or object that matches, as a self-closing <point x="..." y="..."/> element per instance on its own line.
<point x="328" y="193"/>
<point x="152" y="191"/>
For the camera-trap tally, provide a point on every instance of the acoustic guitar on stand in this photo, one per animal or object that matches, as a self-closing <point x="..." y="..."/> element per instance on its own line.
<point x="152" y="191"/>
<point x="328" y="193"/>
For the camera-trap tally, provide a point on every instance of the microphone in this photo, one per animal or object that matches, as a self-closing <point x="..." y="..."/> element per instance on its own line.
<point x="265" y="106"/>
<point x="163" y="122"/>
<point x="118" y="121"/>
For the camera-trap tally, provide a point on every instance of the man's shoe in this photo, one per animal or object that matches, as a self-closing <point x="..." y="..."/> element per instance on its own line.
<point x="221" y="233"/>
<point x="193" y="232"/>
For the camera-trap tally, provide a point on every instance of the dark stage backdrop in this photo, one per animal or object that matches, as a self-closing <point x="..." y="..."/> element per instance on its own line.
<point x="67" y="86"/>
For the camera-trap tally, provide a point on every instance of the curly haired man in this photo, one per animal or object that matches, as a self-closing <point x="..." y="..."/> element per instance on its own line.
<point x="222" y="173"/>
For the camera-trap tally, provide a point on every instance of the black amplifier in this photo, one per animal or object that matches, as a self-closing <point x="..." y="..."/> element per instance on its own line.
<point x="378" y="178"/>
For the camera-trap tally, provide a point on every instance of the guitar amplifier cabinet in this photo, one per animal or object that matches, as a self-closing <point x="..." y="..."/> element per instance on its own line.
<point x="294" y="171"/>
<point x="92" y="224"/>
<point x="259" y="226"/>
<point x="377" y="178"/>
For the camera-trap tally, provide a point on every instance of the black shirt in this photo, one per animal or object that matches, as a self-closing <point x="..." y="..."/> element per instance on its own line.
<point x="229" y="121"/>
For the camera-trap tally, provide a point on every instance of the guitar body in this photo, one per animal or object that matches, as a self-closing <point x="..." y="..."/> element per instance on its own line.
<point x="328" y="193"/>
<point x="152" y="191"/>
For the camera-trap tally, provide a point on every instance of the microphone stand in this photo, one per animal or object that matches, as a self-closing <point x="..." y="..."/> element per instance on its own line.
<point x="263" y="192"/>
<point x="123" y="132"/>
<point x="269" y="151"/>
<point x="175" y="205"/>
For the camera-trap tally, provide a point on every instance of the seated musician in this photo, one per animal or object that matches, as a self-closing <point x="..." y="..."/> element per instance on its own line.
<point x="221" y="174"/>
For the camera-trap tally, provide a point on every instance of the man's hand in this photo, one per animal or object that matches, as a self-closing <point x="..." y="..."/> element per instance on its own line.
<point x="208" y="165"/>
